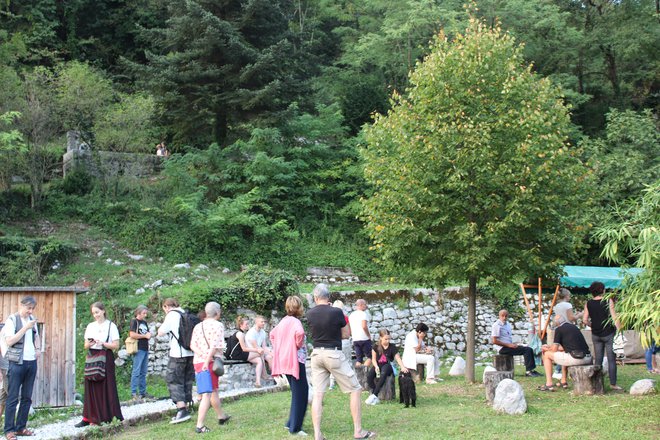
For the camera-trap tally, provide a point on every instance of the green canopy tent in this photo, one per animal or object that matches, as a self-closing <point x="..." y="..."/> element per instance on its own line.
<point x="576" y="276"/>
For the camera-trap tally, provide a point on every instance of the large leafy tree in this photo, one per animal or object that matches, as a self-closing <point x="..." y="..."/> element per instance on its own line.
<point x="632" y="236"/>
<point x="218" y="65"/>
<point x="472" y="175"/>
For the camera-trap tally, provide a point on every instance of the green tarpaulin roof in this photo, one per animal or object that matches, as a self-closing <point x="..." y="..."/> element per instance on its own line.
<point x="583" y="276"/>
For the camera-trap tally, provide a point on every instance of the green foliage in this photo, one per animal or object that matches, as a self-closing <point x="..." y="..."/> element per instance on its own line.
<point x="77" y="181"/>
<point x="128" y="125"/>
<point x="25" y="261"/>
<point x="471" y="171"/>
<point x="632" y="234"/>
<point x="257" y="288"/>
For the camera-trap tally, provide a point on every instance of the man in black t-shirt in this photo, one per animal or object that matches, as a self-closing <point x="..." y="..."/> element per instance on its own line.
<point x="328" y="328"/>
<point x="569" y="349"/>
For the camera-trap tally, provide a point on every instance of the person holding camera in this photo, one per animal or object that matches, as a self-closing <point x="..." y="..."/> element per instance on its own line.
<point x="415" y="351"/>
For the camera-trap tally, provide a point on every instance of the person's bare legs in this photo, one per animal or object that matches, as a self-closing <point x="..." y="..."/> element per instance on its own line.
<point x="317" y="413"/>
<point x="547" y="366"/>
<point x="255" y="359"/>
<point x="203" y="409"/>
<point x="356" y="412"/>
<point x="564" y="374"/>
<point x="216" y="403"/>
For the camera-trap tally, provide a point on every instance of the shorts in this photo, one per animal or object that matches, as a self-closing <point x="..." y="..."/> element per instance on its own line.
<point x="566" y="360"/>
<point x="326" y="362"/>
<point x="362" y="349"/>
<point x="214" y="377"/>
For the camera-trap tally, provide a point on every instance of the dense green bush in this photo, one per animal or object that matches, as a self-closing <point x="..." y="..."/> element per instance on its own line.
<point x="257" y="288"/>
<point x="78" y="181"/>
<point x="27" y="260"/>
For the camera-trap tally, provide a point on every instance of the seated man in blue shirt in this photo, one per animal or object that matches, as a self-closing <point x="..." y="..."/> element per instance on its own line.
<point x="501" y="335"/>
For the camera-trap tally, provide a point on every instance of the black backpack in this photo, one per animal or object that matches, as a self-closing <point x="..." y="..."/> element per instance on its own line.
<point x="187" y="323"/>
<point x="234" y="349"/>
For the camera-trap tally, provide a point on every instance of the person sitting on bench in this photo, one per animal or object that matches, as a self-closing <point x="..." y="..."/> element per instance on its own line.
<point x="502" y="336"/>
<point x="569" y="349"/>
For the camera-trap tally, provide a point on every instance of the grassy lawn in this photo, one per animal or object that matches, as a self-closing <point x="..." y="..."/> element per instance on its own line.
<point x="451" y="409"/>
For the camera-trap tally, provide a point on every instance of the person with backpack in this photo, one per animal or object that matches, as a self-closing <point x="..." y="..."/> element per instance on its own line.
<point x="239" y="350"/>
<point x="21" y="337"/>
<point x="180" y="371"/>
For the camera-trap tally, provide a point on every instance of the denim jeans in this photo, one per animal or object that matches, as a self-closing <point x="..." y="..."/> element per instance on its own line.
<point x="653" y="349"/>
<point x="21" y="381"/>
<point x="139" y="375"/>
<point x="604" y="345"/>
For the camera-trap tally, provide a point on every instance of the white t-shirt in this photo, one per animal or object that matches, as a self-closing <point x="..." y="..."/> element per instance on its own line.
<point x="104" y="332"/>
<point x="171" y="325"/>
<point x="409" y="358"/>
<point x="355" y="321"/>
<point x="562" y="309"/>
<point x="29" y="352"/>
<point x="258" y="337"/>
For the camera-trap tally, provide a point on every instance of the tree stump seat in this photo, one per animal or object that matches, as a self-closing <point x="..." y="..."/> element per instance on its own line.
<point x="492" y="379"/>
<point x="503" y="362"/>
<point x="388" y="391"/>
<point x="587" y="379"/>
<point x="418" y="375"/>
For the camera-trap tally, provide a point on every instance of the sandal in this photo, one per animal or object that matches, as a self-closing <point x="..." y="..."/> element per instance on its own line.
<point x="225" y="419"/>
<point x="546" y="388"/>
<point x="562" y="385"/>
<point x="368" y="434"/>
<point x="11" y="436"/>
<point x="202" y="430"/>
<point x="25" y="433"/>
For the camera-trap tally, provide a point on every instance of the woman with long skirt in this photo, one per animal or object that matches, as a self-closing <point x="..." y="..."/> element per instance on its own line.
<point x="101" y="403"/>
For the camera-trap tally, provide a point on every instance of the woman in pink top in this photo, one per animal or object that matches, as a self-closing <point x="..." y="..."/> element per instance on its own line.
<point x="207" y="342"/>
<point x="289" y="356"/>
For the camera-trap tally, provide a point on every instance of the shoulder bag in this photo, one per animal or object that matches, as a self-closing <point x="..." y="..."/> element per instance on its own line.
<point x="218" y="366"/>
<point x="95" y="363"/>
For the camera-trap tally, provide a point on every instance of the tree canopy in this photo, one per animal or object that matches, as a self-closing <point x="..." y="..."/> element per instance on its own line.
<point x="472" y="175"/>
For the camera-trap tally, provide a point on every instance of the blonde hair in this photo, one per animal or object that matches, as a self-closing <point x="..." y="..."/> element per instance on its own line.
<point x="294" y="306"/>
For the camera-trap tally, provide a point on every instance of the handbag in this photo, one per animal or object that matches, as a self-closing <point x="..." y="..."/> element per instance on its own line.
<point x="14" y="354"/>
<point x="203" y="379"/>
<point x="95" y="363"/>
<point x="577" y="354"/>
<point x="131" y="345"/>
<point x="218" y="367"/>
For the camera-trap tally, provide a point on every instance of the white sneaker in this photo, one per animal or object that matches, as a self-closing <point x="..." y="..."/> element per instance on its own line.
<point x="301" y="433"/>
<point x="370" y="399"/>
<point x="376" y="401"/>
<point x="556" y="375"/>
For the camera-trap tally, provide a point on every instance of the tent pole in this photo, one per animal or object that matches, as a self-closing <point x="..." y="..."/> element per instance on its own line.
<point x="547" y="321"/>
<point x="529" y="309"/>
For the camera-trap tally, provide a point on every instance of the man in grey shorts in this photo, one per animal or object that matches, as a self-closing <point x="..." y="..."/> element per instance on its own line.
<point x="328" y="327"/>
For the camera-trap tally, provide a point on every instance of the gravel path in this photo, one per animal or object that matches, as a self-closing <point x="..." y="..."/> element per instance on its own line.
<point x="59" y="430"/>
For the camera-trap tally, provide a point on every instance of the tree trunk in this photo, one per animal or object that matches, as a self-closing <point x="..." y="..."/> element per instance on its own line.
<point x="472" y="314"/>
<point x="492" y="379"/>
<point x="587" y="379"/>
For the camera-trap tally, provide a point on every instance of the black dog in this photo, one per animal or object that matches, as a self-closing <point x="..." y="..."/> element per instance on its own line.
<point x="407" y="390"/>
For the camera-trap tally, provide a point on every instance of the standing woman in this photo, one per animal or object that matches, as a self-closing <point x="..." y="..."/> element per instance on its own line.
<point x="208" y="341"/>
<point x="289" y="356"/>
<point x="101" y="403"/>
<point x="600" y="316"/>
<point x="139" y="329"/>
<point x="382" y="355"/>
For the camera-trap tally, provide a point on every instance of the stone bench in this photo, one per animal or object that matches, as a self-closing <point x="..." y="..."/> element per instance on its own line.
<point x="238" y="374"/>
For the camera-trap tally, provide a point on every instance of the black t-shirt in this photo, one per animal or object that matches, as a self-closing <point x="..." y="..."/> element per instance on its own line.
<point x="599" y="313"/>
<point x="141" y="328"/>
<point x="326" y="323"/>
<point x="385" y="355"/>
<point x="570" y="337"/>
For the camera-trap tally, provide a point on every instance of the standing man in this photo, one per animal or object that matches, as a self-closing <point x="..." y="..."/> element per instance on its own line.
<point x="328" y="328"/>
<point x="21" y="336"/>
<point x="416" y="352"/>
<point x="256" y="338"/>
<point x="359" y="321"/>
<point x="502" y="336"/>
<point x="569" y="349"/>
<point x="180" y="370"/>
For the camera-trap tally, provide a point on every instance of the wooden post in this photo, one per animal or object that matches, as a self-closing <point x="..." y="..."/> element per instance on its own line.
<point x="361" y="373"/>
<point x="492" y="379"/>
<point x="503" y="362"/>
<point x="587" y="379"/>
<point x="547" y="321"/>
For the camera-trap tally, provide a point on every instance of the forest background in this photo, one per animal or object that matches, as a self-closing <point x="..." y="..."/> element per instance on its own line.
<point x="262" y="104"/>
